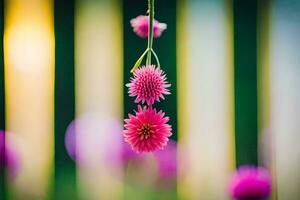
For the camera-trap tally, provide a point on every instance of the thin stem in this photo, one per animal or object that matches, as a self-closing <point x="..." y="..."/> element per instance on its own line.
<point x="150" y="29"/>
<point x="156" y="58"/>
<point x="139" y="61"/>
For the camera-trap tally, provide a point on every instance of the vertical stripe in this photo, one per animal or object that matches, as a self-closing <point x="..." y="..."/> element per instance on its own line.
<point x="205" y="98"/>
<point x="230" y="76"/>
<point x="263" y="44"/>
<point x="266" y="156"/>
<point x="285" y="96"/>
<point x="29" y="86"/>
<point x="2" y="96"/>
<point x="245" y="76"/>
<point x="98" y="72"/>
<point x="65" y="170"/>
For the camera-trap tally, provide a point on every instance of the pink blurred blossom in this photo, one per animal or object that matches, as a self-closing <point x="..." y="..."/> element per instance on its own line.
<point x="167" y="165"/>
<point x="140" y="26"/>
<point x="9" y="156"/>
<point x="250" y="182"/>
<point x="167" y="161"/>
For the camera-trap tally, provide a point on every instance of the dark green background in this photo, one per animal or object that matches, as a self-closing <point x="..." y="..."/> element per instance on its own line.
<point x="245" y="81"/>
<point x="65" y="169"/>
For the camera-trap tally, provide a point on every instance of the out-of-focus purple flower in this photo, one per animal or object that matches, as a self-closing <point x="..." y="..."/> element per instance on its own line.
<point x="9" y="157"/>
<point x="2" y="148"/>
<point x="90" y="135"/>
<point x="136" y="168"/>
<point x="167" y="161"/>
<point x="119" y="157"/>
<point x="250" y="182"/>
<point x="70" y="140"/>
<point x="140" y="26"/>
<point x="167" y="165"/>
<point x="127" y="154"/>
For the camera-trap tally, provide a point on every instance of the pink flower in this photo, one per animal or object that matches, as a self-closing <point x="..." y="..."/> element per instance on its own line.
<point x="250" y="182"/>
<point x="140" y="26"/>
<point x="148" y="130"/>
<point x="148" y="84"/>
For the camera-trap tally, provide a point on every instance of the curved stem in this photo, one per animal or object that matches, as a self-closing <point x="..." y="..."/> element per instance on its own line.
<point x="156" y="58"/>
<point x="150" y="30"/>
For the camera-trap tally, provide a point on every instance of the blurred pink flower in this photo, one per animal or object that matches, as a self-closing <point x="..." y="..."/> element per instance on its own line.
<point x="9" y="156"/>
<point x="128" y="154"/>
<point x="121" y="156"/>
<point x="148" y="130"/>
<point x="70" y="140"/>
<point x="167" y="161"/>
<point x="148" y="84"/>
<point x="140" y="26"/>
<point x="167" y="165"/>
<point x="83" y="136"/>
<point x="250" y="182"/>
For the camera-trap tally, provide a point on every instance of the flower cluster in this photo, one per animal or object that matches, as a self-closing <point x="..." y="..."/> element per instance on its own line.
<point x="147" y="130"/>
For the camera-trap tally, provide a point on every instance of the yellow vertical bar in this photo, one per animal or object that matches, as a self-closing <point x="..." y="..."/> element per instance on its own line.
<point x="205" y="98"/>
<point x="230" y="81"/>
<point x="265" y="137"/>
<point x="29" y="81"/>
<point x="99" y="83"/>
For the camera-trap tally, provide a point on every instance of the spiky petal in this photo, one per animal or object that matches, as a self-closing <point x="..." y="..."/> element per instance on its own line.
<point x="148" y="84"/>
<point x="250" y="182"/>
<point x="140" y="26"/>
<point x="147" y="130"/>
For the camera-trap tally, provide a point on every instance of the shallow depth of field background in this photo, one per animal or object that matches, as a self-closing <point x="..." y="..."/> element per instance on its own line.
<point x="234" y="67"/>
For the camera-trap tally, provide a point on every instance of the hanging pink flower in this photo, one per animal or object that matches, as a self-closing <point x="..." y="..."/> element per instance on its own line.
<point x="140" y="26"/>
<point x="147" y="130"/>
<point x="250" y="182"/>
<point x="148" y="84"/>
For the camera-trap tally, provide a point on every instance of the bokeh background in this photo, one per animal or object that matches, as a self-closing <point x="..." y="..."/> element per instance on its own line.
<point x="234" y="67"/>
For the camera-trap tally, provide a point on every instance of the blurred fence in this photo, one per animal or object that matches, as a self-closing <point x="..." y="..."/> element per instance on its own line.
<point x="234" y="69"/>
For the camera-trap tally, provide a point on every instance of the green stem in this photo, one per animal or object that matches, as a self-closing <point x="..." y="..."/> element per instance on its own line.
<point x="139" y="61"/>
<point x="150" y="30"/>
<point x="156" y="58"/>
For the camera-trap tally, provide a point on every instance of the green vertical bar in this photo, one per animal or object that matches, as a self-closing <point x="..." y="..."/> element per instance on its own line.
<point x="245" y="80"/>
<point x="65" y="169"/>
<point x="2" y="96"/>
